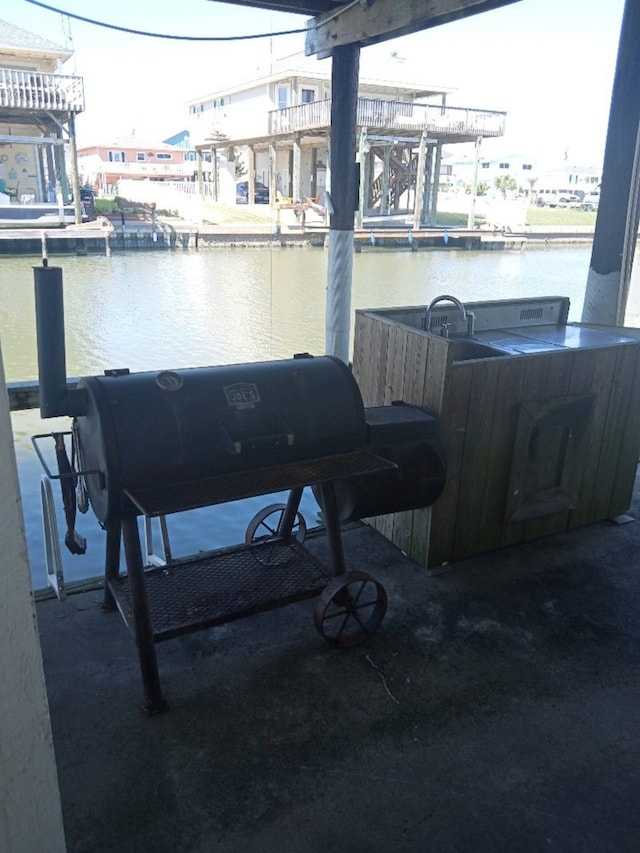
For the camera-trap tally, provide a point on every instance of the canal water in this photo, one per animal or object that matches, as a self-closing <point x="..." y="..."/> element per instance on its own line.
<point x="161" y="310"/>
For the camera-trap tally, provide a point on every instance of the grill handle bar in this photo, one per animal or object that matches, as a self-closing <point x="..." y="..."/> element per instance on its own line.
<point x="256" y="442"/>
<point x="35" y="440"/>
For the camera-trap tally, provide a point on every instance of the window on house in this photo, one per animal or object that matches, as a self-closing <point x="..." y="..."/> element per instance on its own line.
<point x="116" y="157"/>
<point x="140" y="157"/>
<point x="504" y="165"/>
<point x="485" y="165"/>
<point x="164" y="156"/>
<point x="307" y="96"/>
<point x="527" y="167"/>
<point x="283" y="97"/>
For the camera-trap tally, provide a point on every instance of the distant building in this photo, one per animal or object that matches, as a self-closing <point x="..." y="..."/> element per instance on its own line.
<point x="38" y="105"/>
<point x="104" y="164"/>
<point x="282" y="119"/>
<point x="528" y="173"/>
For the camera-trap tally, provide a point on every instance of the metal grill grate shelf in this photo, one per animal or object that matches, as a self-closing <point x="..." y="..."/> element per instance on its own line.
<point x="219" y="586"/>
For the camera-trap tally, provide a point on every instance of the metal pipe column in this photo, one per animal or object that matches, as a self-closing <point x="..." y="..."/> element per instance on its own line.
<point x="344" y="198"/>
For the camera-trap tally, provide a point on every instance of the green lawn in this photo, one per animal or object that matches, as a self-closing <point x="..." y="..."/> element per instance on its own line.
<point x="560" y="216"/>
<point x="238" y="214"/>
<point x="550" y="216"/>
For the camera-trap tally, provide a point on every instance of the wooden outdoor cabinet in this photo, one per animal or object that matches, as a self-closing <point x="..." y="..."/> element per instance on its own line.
<point x="536" y="443"/>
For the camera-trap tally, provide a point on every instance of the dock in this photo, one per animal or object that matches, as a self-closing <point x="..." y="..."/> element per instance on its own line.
<point x="90" y="238"/>
<point x="139" y="235"/>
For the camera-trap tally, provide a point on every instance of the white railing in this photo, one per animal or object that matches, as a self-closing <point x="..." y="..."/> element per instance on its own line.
<point x="182" y="170"/>
<point x="303" y="117"/>
<point x="378" y="114"/>
<point x="33" y="90"/>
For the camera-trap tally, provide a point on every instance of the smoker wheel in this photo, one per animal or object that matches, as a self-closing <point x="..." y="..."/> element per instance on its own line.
<point x="265" y="525"/>
<point x="350" y="609"/>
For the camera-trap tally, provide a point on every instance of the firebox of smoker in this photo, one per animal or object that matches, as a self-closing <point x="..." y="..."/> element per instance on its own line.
<point x="159" y="442"/>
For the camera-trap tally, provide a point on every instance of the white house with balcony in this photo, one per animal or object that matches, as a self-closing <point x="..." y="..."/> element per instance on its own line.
<point x="282" y="118"/>
<point x="38" y="105"/>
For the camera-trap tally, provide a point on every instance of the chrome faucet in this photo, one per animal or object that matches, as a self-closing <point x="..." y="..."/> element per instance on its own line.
<point x="468" y="317"/>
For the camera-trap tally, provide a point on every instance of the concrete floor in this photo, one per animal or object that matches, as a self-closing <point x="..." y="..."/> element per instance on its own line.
<point x="496" y="709"/>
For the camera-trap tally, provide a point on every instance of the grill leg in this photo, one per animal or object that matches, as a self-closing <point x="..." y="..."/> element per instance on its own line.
<point x="289" y="515"/>
<point x="153" y="699"/>
<point x="332" y="521"/>
<point x="111" y="563"/>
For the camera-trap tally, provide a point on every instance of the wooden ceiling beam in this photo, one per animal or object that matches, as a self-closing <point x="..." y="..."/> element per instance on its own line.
<point x="366" y="22"/>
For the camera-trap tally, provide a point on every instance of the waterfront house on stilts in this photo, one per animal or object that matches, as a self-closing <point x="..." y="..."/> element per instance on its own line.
<point x="38" y="106"/>
<point x="282" y="118"/>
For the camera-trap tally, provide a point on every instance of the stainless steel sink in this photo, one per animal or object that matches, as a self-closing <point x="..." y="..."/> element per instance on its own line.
<point x="465" y="349"/>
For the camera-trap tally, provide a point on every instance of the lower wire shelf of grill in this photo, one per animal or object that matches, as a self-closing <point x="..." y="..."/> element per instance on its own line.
<point x="219" y="586"/>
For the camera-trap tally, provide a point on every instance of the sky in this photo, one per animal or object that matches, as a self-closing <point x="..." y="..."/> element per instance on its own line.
<point x="548" y="63"/>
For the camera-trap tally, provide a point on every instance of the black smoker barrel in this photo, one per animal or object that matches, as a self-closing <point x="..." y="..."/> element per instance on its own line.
<point x="158" y="429"/>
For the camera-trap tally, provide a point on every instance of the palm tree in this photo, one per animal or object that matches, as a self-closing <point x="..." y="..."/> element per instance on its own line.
<point x="505" y="183"/>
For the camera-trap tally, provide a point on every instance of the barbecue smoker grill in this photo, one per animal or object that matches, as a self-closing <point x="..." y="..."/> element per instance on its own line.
<point x="155" y="443"/>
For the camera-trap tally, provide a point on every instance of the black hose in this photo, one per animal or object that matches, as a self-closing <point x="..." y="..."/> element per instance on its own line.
<point x="75" y="543"/>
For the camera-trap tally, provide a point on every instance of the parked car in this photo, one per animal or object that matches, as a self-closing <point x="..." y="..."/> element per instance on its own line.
<point x="88" y="202"/>
<point x="557" y="198"/>
<point x="591" y="200"/>
<point x="261" y="195"/>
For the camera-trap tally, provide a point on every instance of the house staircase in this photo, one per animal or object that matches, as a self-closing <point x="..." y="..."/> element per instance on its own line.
<point x="402" y="176"/>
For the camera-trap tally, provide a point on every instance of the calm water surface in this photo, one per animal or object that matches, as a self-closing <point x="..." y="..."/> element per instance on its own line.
<point x="148" y="311"/>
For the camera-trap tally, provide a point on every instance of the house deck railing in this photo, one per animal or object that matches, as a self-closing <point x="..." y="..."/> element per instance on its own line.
<point x="401" y="116"/>
<point x="180" y="169"/>
<point x="34" y="90"/>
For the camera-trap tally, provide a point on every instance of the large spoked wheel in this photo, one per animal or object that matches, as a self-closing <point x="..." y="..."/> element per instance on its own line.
<point x="263" y="530"/>
<point x="350" y="609"/>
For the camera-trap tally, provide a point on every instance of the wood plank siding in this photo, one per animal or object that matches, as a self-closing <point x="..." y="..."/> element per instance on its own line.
<point x="536" y="443"/>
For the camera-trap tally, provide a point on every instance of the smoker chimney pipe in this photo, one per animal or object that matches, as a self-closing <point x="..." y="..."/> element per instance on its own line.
<point x="55" y="398"/>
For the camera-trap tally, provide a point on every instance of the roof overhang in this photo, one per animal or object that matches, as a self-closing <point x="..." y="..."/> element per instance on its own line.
<point x="363" y="22"/>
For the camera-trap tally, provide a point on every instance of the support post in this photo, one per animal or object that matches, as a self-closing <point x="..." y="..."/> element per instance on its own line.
<point x="344" y="197"/>
<point x="73" y="162"/>
<point x="386" y="168"/>
<point x="616" y="231"/>
<point x="435" y="186"/>
<point x="31" y="810"/>
<point x="213" y="153"/>
<point x="418" y="205"/>
<point x="199" y="175"/>
<point x="251" y="177"/>
<point x="272" y="173"/>
<point x="327" y="180"/>
<point x="362" y="160"/>
<point x="471" y="219"/>
<point x="296" y="189"/>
